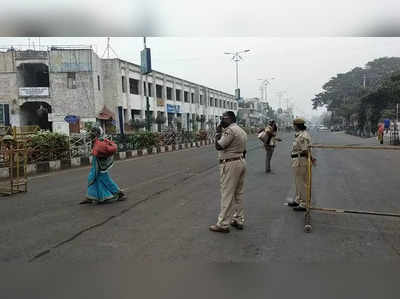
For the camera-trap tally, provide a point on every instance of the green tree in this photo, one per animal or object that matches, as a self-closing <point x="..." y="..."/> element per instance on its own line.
<point x="353" y="96"/>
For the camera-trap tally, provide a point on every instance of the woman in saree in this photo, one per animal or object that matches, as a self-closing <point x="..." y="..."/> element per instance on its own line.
<point x="101" y="188"/>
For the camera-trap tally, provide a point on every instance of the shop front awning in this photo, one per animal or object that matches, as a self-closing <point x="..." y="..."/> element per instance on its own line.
<point x="106" y="114"/>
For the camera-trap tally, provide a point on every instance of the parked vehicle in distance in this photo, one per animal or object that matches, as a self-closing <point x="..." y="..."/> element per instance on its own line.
<point x="323" y="129"/>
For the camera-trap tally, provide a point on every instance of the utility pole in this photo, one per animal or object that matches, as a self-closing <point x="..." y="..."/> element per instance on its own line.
<point x="148" y="125"/>
<point x="145" y="68"/>
<point x="365" y="77"/>
<point x="236" y="58"/>
<point x="263" y="88"/>
<point x="280" y="95"/>
<point x="108" y="48"/>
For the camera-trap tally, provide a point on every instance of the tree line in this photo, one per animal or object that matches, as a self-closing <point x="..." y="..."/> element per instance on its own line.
<point x="361" y="98"/>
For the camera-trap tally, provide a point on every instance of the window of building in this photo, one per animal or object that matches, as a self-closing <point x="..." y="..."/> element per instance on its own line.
<point x="201" y="99"/>
<point x="178" y="94"/>
<point x="224" y="104"/>
<point x="211" y="102"/>
<point x="147" y="91"/>
<point x="215" y="102"/>
<point x="186" y="96"/>
<point x="4" y="115"/>
<point x="123" y="84"/>
<point x="133" y="86"/>
<point x="169" y="93"/>
<point x="98" y="82"/>
<point x="192" y="97"/>
<point x="159" y="91"/>
<point x="220" y="103"/>
<point x="33" y="75"/>
<point x="71" y="80"/>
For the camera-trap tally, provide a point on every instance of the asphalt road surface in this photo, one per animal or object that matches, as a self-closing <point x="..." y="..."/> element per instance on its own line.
<point x="174" y="197"/>
<point x="172" y="200"/>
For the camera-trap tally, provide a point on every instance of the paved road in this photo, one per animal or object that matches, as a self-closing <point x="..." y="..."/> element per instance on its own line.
<point x="174" y="197"/>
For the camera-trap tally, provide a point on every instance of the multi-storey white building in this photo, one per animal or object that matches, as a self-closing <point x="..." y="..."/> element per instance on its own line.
<point x="62" y="88"/>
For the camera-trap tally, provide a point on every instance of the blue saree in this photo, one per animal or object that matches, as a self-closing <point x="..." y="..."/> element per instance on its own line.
<point x="101" y="187"/>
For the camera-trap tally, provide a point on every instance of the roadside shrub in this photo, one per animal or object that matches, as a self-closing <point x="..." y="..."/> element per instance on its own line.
<point x="146" y="140"/>
<point x="48" y="146"/>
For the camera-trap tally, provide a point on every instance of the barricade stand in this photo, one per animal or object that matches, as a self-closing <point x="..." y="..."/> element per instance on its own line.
<point x="309" y="207"/>
<point x="14" y="156"/>
<point x="307" y="220"/>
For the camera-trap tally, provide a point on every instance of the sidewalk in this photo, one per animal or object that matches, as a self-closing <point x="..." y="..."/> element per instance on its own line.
<point x="48" y="166"/>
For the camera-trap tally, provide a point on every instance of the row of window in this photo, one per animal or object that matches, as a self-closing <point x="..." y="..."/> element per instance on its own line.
<point x="187" y="97"/>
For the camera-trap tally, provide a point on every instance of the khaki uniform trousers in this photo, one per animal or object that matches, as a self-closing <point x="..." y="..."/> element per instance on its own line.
<point x="232" y="176"/>
<point x="300" y="176"/>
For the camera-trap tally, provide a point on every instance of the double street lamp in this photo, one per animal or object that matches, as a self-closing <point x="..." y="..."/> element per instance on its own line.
<point x="236" y="58"/>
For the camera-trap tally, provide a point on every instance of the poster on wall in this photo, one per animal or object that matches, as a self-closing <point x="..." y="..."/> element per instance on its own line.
<point x="160" y="102"/>
<point x="173" y="108"/>
<point x="71" y="60"/>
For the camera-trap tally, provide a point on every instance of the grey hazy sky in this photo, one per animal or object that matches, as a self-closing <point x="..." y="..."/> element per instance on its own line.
<point x="300" y="65"/>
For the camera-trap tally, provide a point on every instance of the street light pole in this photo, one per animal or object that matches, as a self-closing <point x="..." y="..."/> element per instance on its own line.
<point x="237" y="74"/>
<point x="236" y="58"/>
<point x="266" y="83"/>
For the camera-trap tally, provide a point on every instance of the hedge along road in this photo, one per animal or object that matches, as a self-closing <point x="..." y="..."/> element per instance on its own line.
<point x="174" y="197"/>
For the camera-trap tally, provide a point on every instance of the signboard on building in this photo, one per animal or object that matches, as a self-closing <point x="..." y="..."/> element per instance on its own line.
<point x="160" y="102"/>
<point x="31" y="54"/>
<point x="237" y="93"/>
<point x="173" y="108"/>
<point x="145" y="59"/>
<point x="33" y="91"/>
<point x="70" y="60"/>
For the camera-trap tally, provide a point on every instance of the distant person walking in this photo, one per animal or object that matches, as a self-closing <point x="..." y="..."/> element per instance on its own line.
<point x="268" y="137"/>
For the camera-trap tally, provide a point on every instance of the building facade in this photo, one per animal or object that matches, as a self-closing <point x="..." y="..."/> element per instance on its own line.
<point x="253" y="112"/>
<point x="62" y="88"/>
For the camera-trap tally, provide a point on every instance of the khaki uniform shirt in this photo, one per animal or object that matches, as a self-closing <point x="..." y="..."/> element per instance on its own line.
<point x="300" y="144"/>
<point x="269" y="130"/>
<point x="233" y="141"/>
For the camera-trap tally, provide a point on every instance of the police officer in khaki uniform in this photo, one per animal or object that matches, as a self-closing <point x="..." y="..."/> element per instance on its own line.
<point x="231" y="145"/>
<point x="299" y="164"/>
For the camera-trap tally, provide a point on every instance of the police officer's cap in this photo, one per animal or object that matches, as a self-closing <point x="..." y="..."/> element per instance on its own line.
<point x="298" y="121"/>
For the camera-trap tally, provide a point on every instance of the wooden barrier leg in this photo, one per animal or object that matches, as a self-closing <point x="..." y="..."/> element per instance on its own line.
<point x="307" y="220"/>
<point x="18" y="172"/>
<point x="12" y="174"/>
<point x="25" y="169"/>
